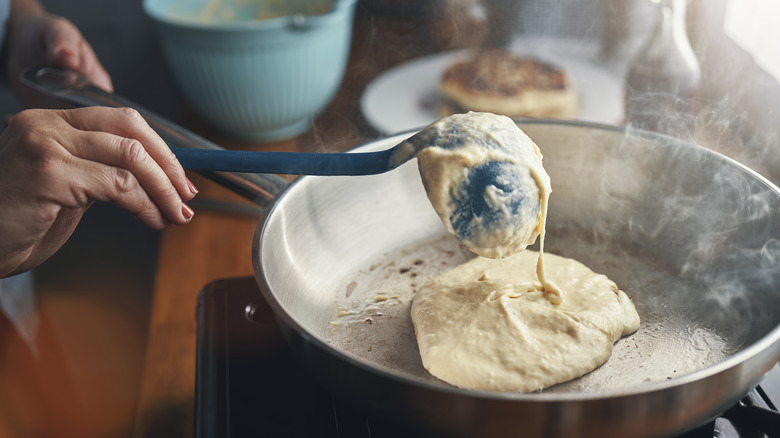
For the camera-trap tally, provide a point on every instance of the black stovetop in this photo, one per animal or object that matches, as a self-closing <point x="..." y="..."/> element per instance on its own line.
<point x="249" y="383"/>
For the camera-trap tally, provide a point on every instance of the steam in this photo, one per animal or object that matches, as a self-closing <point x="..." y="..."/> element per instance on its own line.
<point x="720" y="220"/>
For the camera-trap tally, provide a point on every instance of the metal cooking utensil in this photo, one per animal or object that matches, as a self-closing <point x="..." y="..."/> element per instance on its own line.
<point x="69" y="87"/>
<point x="518" y="198"/>
<point x="74" y="89"/>
<point x="198" y="153"/>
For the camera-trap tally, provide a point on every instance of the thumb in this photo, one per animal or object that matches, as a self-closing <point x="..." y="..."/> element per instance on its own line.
<point x="66" y="47"/>
<point x="62" y="43"/>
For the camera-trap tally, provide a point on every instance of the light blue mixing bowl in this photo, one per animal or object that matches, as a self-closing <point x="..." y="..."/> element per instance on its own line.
<point x="255" y="79"/>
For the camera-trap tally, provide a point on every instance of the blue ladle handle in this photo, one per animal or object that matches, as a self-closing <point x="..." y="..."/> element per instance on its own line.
<point x="289" y="163"/>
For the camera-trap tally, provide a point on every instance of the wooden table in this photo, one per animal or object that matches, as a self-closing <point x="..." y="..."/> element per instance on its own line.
<point x="217" y="244"/>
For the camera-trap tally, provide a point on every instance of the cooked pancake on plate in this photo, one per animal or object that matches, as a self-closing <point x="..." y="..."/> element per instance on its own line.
<point x="501" y="82"/>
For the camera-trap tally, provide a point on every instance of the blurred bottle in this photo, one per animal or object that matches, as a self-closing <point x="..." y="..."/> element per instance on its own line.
<point x="501" y="16"/>
<point x="663" y="80"/>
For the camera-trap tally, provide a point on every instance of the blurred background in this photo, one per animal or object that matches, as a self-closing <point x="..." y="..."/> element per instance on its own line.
<point x="93" y="298"/>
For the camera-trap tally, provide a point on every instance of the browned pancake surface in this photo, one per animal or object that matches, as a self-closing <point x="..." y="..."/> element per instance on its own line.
<point x="504" y="83"/>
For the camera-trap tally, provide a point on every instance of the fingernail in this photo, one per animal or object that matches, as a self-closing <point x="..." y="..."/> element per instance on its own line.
<point x="187" y="212"/>
<point x="193" y="189"/>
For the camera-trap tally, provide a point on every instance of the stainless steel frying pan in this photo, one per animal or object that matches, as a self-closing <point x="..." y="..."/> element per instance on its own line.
<point x="691" y="236"/>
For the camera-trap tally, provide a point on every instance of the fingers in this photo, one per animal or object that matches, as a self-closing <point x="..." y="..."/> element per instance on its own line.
<point x="110" y="154"/>
<point x="66" y="47"/>
<point x="78" y="182"/>
<point x="122" y="139"/>
<point x="127" y="172"/>
<point x="123" y="187"/>
<point x="128" y="123"/>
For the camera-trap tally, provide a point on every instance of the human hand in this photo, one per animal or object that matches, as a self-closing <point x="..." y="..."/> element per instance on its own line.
<point x="38" y="38"/>
<point x="55" y="163"/>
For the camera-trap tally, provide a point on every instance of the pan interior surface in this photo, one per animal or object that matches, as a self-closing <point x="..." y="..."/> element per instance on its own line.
<point x="689" y="235"/>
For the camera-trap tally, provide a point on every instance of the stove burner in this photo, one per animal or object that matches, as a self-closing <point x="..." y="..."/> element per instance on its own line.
<point x="240" y="349"/>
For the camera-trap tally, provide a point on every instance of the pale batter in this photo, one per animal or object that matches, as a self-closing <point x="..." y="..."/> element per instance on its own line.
<point x="488" y="325"/>
<point x="214" y="11"/>
<point x="511" y="211"/>
<point x="497" y="323"/>
<point x="510" y="215"/>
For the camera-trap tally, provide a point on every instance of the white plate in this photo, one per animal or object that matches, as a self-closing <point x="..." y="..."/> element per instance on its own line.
<point x="403" y="98"/>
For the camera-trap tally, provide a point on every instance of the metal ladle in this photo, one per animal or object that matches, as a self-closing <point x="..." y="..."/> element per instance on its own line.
<point x="520" y="201"/>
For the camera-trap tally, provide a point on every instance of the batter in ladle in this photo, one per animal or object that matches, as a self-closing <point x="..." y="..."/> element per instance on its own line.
<point x="485" y="179"/>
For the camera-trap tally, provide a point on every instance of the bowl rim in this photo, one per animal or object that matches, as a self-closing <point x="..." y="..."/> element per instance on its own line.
<point x="340" y="9"/>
